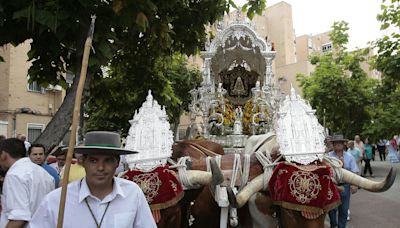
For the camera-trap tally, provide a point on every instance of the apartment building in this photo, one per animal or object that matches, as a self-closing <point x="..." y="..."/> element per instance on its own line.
<point x="25" y="108"/>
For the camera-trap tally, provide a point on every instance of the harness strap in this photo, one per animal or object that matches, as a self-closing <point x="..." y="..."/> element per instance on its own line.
<point x="182" y="172"/>
<point x="268" y="166"/>
<point x="202" y="149"/>
<point x="246" y="170"/>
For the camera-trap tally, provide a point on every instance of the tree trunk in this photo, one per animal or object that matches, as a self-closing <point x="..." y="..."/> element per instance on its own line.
<point x="61" y="122"/>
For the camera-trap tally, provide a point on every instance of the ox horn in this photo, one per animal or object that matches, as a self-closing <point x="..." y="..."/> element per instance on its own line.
<point x="243" y="196"/>
<point x="369" y="185"/>
<point x="198" y="177"/>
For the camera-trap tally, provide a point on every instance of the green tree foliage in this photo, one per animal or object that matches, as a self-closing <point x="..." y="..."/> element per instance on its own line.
<point x="386" y="121"/>
<point x="117" y="96"/>
<point x="145" y="29"/>
<point x="388" y="57"/>
<point x="338" y="88"/>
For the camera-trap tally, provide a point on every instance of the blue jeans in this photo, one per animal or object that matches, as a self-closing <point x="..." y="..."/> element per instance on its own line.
<point x="342" y="208"/>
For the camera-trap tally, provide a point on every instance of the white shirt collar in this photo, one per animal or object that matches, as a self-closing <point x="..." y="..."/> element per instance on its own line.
<point x="19" y="161"/>
<point x="84" y="191"/>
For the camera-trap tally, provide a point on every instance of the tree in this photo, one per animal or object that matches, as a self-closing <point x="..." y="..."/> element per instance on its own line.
<point x="58" y="30"/>
<point x="127" y="90"/>
<point x="338" y="88"/>
<point x="388" y="56"/>
<point x="387" y="61"/>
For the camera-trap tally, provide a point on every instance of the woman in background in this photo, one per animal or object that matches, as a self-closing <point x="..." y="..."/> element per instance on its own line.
<point x="392" y="148"/>
<point x="368" y="155"/>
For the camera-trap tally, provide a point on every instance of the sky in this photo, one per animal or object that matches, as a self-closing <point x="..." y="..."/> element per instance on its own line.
<point x="317" y="16"/>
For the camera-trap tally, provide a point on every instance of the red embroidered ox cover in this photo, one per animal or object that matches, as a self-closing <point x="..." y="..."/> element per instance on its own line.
<point x="308" y="189"/>
<point x="160" y="186"/>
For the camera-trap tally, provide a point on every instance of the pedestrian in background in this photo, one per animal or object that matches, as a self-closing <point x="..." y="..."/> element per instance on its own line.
<point x="355" y="152"/>
<point x="367" y="157"/>
<point x="338" y="216"/>
<point x="359" y="144"/>
<point x="381" y="146"/>
<point x="37" y="156"/>
<point x="76" y="171"/>
<point x="25" y="184"/>
<point x="61" y="156"/>
<point x="392" y="149"/>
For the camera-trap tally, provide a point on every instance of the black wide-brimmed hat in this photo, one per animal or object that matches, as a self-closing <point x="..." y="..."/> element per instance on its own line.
<point x="102" y="142"/>
<point x="59" y="150"/>
<point x="337" y="137"/>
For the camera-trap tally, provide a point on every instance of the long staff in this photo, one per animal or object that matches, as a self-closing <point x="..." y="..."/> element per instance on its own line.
<point x="75" y="118"/>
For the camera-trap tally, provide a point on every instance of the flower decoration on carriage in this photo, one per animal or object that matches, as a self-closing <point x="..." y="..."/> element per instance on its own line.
<point x="221" y="113"/>
<point x="255" y="109"/>
<point x="226" y="112"/>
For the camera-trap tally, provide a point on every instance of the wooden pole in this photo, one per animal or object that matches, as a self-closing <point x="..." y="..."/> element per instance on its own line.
<point x="75" y="118"/>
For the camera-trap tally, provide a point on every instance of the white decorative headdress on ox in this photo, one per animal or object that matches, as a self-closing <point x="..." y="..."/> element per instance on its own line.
<point x="150" y="135"/>
<point x="300" y="136"/>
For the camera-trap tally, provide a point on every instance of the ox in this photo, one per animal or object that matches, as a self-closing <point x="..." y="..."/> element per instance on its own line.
<point x="198" y="204"/>
<point x="204" y="209"/>
<point x="255" y="205"/>
<point x="292" y="218"/>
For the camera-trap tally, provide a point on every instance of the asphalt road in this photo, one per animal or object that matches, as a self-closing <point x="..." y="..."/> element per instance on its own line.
<point x="380" y="210"/>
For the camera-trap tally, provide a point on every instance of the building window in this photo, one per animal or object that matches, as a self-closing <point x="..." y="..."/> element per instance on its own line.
<point x="34" y="130"/>
<point x="181" y="134"/>
<point x="3" y="127"/>
<point x="34" y="87"/>
<point x="327" y="47"/>
<point x="310" y="43"/>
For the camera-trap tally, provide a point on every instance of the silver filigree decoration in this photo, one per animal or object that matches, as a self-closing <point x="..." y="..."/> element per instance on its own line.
<point x="150" y="135"/>
<point x="300" y="136"/>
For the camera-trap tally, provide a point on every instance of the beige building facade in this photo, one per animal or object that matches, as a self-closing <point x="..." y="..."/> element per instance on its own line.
<point x="25" y="108"/>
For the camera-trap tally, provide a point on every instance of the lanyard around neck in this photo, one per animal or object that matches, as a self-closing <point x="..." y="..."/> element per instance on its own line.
<point x="94" y="218"/>
<point x="98" y="225"/>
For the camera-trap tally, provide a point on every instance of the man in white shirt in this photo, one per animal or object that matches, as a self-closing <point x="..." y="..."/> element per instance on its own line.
<point x="99" y="199"/>
<point x="25" y="184"/>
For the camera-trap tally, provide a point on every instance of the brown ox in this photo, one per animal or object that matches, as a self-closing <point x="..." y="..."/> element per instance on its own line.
<point x="205" y="210"/>
<point x="258" y="211"/>
<point x="198" y="203"/>
<point x="292" y="218"/>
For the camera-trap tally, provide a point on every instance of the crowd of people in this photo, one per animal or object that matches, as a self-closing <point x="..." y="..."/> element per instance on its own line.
<point x="30" y="193"/>
<point x="352" y="153"/>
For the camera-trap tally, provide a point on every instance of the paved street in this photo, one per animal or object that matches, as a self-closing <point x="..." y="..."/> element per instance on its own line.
<point x="376" y="209"/>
